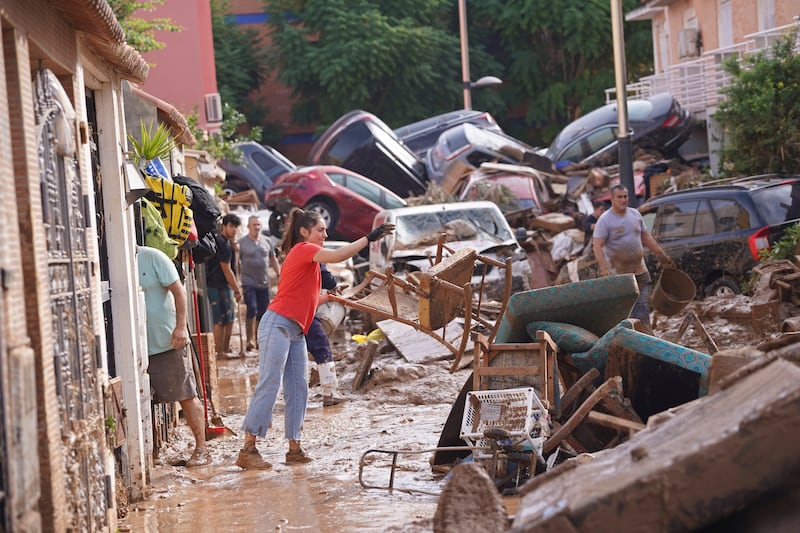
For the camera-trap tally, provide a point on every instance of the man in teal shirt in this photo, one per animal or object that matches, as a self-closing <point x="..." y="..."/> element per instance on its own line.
<point x="170" y="369"/>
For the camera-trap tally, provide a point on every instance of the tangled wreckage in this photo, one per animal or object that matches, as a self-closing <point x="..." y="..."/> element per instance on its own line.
<point x="591" y="423"/>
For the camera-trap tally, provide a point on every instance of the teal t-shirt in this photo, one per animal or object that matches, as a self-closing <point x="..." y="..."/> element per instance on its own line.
<point x="156" y="273"/>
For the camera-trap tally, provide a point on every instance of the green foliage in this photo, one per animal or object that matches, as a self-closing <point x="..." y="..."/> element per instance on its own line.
<point x="559" y="54"/>
<point x="220" y="145"/>
<point x="761" y="117"/>
<point x="785" y="247"/>
<point x="240" y="59"/>
<point x="399" y="60"/>
<point x="139" y="32"/>
<point x="152" y="144"/>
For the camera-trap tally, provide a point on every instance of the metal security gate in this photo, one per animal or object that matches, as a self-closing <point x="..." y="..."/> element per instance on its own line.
<point x="75" y="350"/>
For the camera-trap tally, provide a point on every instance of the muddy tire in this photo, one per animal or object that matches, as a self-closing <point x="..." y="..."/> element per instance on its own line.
<point x="723" y="287"/>
<point x="276" y="221"/>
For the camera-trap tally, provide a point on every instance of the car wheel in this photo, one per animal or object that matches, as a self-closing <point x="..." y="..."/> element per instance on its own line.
<point x="723" y="287"/>
<point x="276" y="221"/>
<point x="326" y="210"/>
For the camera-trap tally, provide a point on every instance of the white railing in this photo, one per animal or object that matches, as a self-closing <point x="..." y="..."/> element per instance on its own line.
<point x="697" y="84"/>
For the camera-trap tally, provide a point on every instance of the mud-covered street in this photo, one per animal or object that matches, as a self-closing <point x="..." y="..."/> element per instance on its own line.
<point x="402" y="406"/>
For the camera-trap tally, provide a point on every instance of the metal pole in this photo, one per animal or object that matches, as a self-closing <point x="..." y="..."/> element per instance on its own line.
<point x="462" y="27"/>
<point x="621" y="76"/>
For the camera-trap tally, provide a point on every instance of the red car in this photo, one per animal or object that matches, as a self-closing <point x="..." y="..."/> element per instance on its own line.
<point x="347" y="201"/>
<point x="530" y="191"/>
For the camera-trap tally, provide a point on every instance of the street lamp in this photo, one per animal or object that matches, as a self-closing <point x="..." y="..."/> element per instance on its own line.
<point x="468" y="85"/>
<point x="623" y="131"/>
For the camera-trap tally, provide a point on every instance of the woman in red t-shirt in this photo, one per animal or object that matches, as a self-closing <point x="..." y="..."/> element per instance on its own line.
<point x="281" y="333"/>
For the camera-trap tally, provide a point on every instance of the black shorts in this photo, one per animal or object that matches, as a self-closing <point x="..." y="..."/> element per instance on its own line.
<point x="172" y="376"/>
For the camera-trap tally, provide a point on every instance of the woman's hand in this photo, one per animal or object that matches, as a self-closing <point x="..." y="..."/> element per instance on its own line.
<point x="380" y="232"/>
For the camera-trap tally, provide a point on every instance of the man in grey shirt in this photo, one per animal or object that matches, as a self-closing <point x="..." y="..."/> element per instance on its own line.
<point x="619" y="238"/>
<point x="257" y="256"/>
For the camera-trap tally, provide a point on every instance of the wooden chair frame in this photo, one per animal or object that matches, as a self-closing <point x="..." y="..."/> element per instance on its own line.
<point x="540" y="355"/>
<point x="428" y="301"/>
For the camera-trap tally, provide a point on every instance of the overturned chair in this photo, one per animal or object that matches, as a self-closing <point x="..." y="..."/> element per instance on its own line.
<point x="430" y="300"/>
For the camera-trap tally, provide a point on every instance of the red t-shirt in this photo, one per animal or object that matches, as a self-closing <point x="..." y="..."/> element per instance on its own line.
<point x="299" y="285"/>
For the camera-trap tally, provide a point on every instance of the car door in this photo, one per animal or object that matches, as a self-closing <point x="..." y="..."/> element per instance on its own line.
<point x="686" y="230"/>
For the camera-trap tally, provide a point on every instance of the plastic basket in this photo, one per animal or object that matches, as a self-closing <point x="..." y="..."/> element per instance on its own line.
<point x="514" y="410"/>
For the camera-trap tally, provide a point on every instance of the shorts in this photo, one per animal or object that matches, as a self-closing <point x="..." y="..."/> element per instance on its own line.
<point x="222" y="304"/>
<point x="172" y="376"/>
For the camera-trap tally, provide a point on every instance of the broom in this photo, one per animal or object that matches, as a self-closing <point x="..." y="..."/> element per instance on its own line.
<point x="218" y="428"/>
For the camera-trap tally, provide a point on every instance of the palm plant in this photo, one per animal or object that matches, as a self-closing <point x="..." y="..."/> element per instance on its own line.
<point x="152" y="144"/>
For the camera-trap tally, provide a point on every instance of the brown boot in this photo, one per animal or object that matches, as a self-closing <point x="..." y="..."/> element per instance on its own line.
<point x="250" y="459"/>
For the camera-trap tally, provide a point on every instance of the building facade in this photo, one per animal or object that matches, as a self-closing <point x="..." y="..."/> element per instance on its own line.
<point x="691" y="41"/>
<point x="70" y="311"/>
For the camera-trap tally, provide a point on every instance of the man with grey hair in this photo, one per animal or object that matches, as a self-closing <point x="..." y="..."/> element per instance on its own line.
<point x="256" y="255"/>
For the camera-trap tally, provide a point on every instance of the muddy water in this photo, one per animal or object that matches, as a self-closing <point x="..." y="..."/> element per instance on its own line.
<point x="405" y="409"/>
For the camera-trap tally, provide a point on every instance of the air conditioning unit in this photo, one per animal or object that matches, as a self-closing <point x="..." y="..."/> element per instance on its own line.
<point x="213" y="108"/>
<point x="688" y="43"/>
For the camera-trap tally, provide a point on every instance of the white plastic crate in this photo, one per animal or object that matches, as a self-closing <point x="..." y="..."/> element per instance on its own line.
<point x="514" y="410"/>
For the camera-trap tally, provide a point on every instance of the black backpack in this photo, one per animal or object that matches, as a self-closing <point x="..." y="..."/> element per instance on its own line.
<point x="207" y="219"/>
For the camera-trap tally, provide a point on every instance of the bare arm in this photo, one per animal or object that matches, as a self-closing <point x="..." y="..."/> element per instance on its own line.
<point x="324" y="255"/>
<point x="597" y="248"/>
<point x="273" y="262"/>
<point x="650" y="243"/>
<point x="180" y="335"/>
<point x="231" y="279"/>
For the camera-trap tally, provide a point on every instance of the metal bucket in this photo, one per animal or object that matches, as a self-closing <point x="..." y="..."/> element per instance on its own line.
<point x="331" y="315"/>
<point x="673" y="291"/>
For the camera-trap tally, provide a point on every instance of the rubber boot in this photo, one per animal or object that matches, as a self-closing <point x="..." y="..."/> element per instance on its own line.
<point x="251" y="329"/>
<point x="330" y="384"/>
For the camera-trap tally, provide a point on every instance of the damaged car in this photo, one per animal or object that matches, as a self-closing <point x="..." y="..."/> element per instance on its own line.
<point x="716" y="232"/>
<point x="477" y="225"/>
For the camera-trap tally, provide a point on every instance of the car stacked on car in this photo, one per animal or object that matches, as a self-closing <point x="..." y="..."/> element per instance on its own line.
<point x="360" y="172"/>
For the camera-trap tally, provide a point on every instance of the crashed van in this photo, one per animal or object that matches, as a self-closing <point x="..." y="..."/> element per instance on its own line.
<point x="480" y="226"/>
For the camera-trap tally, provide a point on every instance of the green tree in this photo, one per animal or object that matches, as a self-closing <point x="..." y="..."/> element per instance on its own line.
<point x="558" y="54"/>
<point x="221" y="145"/>
<point x="139" y="32"/>
<point x="240" y="59"/>
<point x="760" y="118"/>
<point x="399" y="60"/>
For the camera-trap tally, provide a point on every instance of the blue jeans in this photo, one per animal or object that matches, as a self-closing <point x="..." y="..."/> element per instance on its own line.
<point x="282" y="357"/>
<point x="256" y="300"/>
<point x="640" y="308"/>
<point x="318" y="344"/>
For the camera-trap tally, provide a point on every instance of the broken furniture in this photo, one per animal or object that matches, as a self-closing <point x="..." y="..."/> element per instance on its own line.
<point x="503" y="429"/>
<point x="596" y="305"/>
<point x="689" y="468"/>
<point x="501" y="366"/>
<point x="430" y="300"/>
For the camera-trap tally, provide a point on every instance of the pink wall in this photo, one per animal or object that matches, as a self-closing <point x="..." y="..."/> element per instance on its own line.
<point x="183" y="72"/>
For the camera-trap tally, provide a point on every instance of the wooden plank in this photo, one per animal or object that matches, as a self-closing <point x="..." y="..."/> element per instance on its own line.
<point x="613" y="422"/>
<point x="418" y="347"/>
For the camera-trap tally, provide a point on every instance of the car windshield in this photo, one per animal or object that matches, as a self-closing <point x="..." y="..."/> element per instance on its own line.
<point x="779" y="204"/>
<point x="423" y="229"/>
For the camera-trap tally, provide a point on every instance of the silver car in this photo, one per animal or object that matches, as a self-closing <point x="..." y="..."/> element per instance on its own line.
<point x="477" y="225"/>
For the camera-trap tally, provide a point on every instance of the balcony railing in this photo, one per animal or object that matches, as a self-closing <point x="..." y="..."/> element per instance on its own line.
<point x="697" y="84"/>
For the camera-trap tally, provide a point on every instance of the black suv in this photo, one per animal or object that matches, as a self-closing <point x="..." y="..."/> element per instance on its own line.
<point x="361" y="142"/>
<point x="715" y="232"/>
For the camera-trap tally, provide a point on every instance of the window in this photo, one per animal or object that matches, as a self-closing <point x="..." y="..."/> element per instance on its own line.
<point x="766" y="14"/>
<point x="730" y="215"/>
<point x="725" y="24"/>
<point x="677" y="220"/>
<point x="362" y="188"/>
<point x="594" y="142"/>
